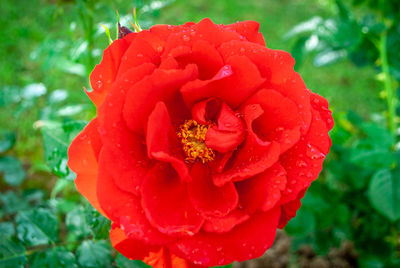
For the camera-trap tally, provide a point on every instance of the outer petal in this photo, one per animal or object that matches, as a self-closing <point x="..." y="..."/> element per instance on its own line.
<point x="124" y="150"/>
<point x="145" y="48"/>
<point x="262" y="192"/>
<point x="166" y="204"/>
<point x="130" y="248"/>
<point x="162" y="143"/>
<point x="207" y="198"/>
<point x="321" y="105"/>
<point x="254" y="157"/>
<point x="83" y="155"/>
<point x="162" y="85"/>
<point x="244" y="242"/>
<point x="165" y="259"/>
<point x="288" y="210"/>
<point x="104" y="74"/>
<point x="248" y="29"/>
<point x="303" y="162"/>
<point x="233" y="84"/>
<point x="124" y="208"/>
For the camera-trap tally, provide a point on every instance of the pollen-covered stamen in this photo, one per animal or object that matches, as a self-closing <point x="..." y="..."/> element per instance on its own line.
<point x="193" y="136"/>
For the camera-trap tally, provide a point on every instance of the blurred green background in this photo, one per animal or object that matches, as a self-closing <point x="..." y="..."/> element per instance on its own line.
<point x="347" y="51"/>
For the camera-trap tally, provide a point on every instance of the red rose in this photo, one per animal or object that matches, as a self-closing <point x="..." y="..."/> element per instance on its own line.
<point x="204" y="143"/>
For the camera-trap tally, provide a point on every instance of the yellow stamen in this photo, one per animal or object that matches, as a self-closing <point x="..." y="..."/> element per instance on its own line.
<point x="193" y="136"/>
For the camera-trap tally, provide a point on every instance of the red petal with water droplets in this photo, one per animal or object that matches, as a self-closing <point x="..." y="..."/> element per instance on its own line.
<point x="227" y="223"/>
<point x="249" y="29"/>
<point x="207" y="198"/>
<point x="104" y="74"/>
<point x="288" y="210"/>
<point x="303" y="162"/>
<point x="320" y="104"/>
<point x="130" y="248"/>
<point x="83" y="154"/>
<point x="162" y="85"/>
<point x="125" y="151"/>
<point x="254" y="157"/>
<point x="203" y="54"/>
<point x="244" y="242"/>
<point x="262" y="192"/>
<point x="233" y="84"/>
<point x="166" y="203"/>
<point x="280" y="121"/>
<point x="125" y="209"/>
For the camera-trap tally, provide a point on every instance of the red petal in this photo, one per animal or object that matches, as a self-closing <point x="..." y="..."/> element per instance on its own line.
<point x="262" y="192"/>
<point x="145" y="48"/>
<point x="288" y="210"/>
<point x="202" y="53"/>
<point x="104" y="74"/>
<point x="207" y="198"/>
<point x="164" y="259"/>
<point x="321" y="105"/>
<point x="246" y="241"/>
<point x="229" y="132"/>
<point x="124" y="151"/>
<point x="83" y="155"/>
<point x="227" y="223"/>
<point x="162" y="85"/>
<point x="280" y="121"/>
<point x="124" y="208"/>
<point x="166" y="203"/>
<point x="277" y="68"/>
<point x="130" y="248"/>
<point x="204" y="30"/>
<point x="254" y="157"/>
<point x="248" y="29"/>
<point x="303" y="162"/>
<point x="233" y="84"/>
<point x="205" y="111"/>
<point x="162" y="143"/>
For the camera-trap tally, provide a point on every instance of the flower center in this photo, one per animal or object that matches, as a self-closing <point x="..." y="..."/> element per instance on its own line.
<point x="193" y="136"/>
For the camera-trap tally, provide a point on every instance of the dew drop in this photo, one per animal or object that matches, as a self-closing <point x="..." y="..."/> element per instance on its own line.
<point x="99" y="84"/>
<point x="301" y="163"/>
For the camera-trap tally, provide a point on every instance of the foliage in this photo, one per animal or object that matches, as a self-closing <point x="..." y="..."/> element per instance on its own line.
<point x="45" y="223"/>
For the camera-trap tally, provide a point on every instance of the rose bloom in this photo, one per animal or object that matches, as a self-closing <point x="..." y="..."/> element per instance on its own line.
<point x="204" y="143"/>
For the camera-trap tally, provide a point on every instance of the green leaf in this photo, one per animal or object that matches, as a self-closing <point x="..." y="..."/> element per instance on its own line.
<point x="12" y="253"/>
<point x="94" y="254"/>
<point x="12" y="169"/>
<point x="37" y="227"/>
<point x="99" y="224"/>
<point x="328" y="56"/>
<point x="12" y="203"/>
<point x="7" y="141"/>
<point x="7" y="228"/>
<point x="57" y="138"/>
<point x="76" y="222"/>
<point x="124" y="262"/>
<point x="301" y="225"/>
<point x="384" y="193"/>
<point x="53" y="257"/>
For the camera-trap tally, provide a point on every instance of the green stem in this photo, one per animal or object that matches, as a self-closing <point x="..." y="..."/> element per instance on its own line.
<point x="390" y="94"/>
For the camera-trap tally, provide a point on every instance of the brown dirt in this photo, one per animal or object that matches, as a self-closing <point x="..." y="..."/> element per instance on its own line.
<point x="280" y="256"/>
